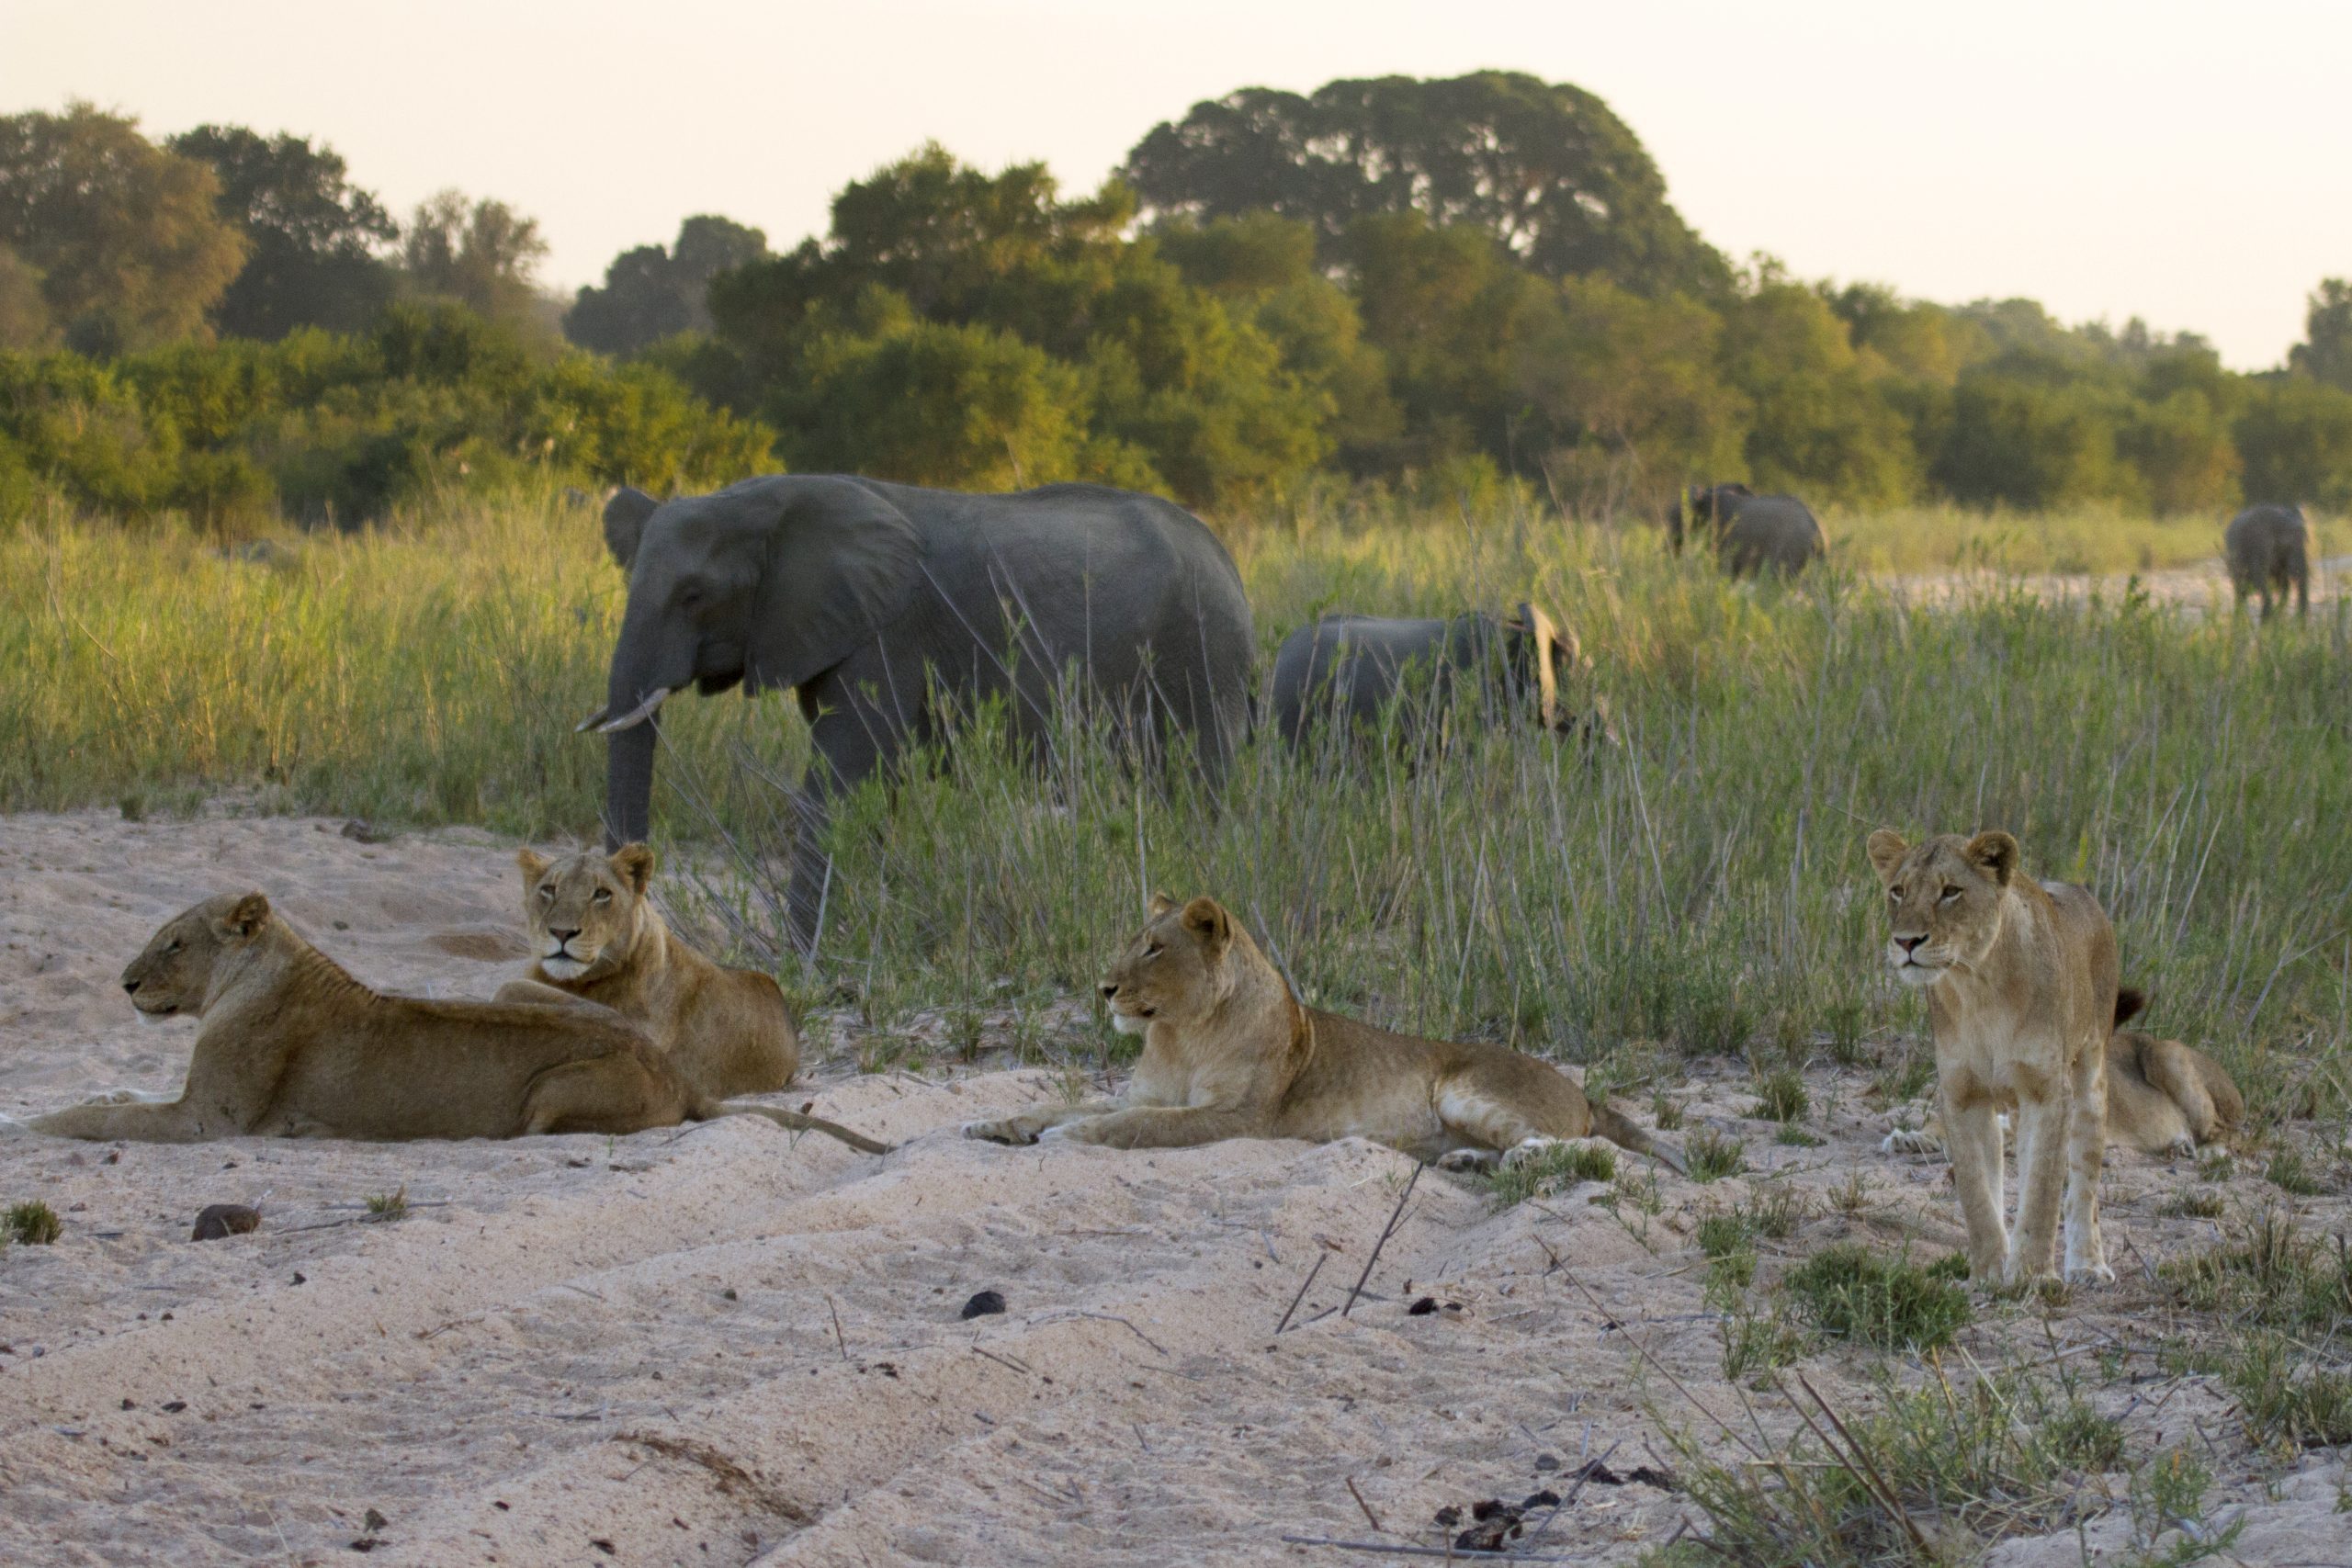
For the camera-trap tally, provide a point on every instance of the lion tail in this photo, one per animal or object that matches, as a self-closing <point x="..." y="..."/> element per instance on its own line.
<point x="1609" y="1124"/>
<point x="794" y="1120"/>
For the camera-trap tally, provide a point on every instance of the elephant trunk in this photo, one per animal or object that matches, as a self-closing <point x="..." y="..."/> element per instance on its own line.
<point x="628" y="783"/>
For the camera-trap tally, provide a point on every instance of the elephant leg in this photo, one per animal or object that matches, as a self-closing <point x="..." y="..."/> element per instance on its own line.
<point x="850" y="742"/>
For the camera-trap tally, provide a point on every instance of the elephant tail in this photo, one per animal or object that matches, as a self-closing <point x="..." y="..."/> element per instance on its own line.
<point x="706" y="1110"/>
<point x="1611" y="1125"/>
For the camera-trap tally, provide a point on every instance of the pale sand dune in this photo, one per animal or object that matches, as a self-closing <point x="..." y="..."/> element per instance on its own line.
<point x="728" y="1346"/>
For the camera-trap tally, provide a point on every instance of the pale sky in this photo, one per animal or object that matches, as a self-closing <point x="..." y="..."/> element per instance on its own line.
<point x="2188" y="163"/>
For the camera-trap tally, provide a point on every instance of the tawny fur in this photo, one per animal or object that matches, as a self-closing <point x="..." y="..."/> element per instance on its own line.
<point x="1229" y="1053"/>
<point x="292" y="1046"/>
<point x="2021" y="981"/>
<point x="2162" y="1098"/>
<point x="726" y="1031"/>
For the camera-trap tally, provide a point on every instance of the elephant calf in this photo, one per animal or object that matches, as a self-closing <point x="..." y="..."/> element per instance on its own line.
<point x="1752" y="532"/>
<point x="2268" y="548"/>
<point x="1353" y="667"/>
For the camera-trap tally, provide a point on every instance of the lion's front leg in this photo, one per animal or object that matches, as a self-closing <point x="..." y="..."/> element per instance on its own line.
<point x="1972" y="1138"/>
<point x="1029" y="1126"/>
<point x="2086" y="1156"/>
<point x="1155" y="1127"/>
<point x="140" y="1121"/>
<point x="2042" y="1183"/>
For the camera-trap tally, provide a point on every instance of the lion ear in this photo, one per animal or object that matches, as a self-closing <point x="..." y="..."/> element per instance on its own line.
<point x="1887" y="849"/>
<point x="1206" y="918"/>
<point x="635" y="865"/>
<point x="251" y="913"/>
<point x="1161" y="903"/>
<point x="1995" y="853"/>
<point x="535" y="865"/>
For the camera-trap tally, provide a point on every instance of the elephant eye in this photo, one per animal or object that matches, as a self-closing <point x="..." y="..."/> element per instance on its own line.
<point x="1949" y="894"/>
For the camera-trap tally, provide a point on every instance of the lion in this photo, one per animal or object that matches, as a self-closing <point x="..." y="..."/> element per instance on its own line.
<point x="1229" y="1053"/>
<point x="292" y="1046"/>
<point x="2162" y="1098"/>
<point x="597" y="938"/>
<point x="2021" y="982"/>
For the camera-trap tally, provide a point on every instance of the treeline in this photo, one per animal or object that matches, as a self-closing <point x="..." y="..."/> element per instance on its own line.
<point x="1423" y="283"/>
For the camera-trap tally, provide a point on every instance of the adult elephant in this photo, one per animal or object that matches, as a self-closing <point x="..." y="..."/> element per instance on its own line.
<point x="2269" y="551"/>
<point x="1348" y="669"/>
<point x="873" y="600"/>
<point x="1752" y="532"/>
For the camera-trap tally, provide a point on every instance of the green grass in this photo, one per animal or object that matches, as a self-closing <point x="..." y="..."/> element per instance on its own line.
<point x="1780" y="1097"/>
<point x="32" y="1224"/>
<point x="1854" y="1292"/>
<point x="1712" y="1155"/>
<point x="1562" y="1166"/>
<point x="1697" y="888"/>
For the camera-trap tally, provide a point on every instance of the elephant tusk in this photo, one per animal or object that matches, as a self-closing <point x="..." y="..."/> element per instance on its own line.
<point x="590" y="722"/>
<point x="637" y="715"/>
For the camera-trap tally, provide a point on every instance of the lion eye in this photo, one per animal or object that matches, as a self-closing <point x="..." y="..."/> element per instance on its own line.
<point x="1894" y="896"/>
<point x="1154" y="951"/>
<point x="604" y="896"/>
<point x="175" y="947"/>
<point x="547" y="895"/>
<point x="1949" y="894"/>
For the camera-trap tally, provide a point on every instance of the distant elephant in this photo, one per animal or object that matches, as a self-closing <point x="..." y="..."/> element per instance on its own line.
<point x="2270" y="550"/>
<point x="868" y="600"/>
<point x="1751" y="532"/>
<point x="1354" y="665"/>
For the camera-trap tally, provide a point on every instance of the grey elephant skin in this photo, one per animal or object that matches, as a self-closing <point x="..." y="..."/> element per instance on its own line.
<point x="1752" y="532"/>
<point x="1348" y="669"/>
<point x="871" y="601"/>
<point x="2269" y="551"/>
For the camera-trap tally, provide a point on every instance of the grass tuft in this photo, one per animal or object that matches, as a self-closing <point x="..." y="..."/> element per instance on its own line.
<point x="1780" y="1097"/>
<point x="1712" y="1156"/>
<point x="32" y="1224"/>
<point x="1852" y="1292"/>
<point x="1560" y="1167"/>
<point x="387" y="1207"/>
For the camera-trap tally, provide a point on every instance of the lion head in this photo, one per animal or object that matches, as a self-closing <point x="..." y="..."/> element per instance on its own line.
<point x="1943" y="899"/>
<point x="584" y="910"/>
<point x="173" y="973"/>
<point x="1175" y="969"/>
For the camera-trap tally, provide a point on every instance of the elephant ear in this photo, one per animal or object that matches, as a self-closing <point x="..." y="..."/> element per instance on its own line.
<point x="841" y="564"/>
<point x="624" y="517"/>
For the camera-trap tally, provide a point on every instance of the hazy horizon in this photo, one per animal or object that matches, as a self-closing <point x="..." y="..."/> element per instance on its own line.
<point x="2106" y="161"/>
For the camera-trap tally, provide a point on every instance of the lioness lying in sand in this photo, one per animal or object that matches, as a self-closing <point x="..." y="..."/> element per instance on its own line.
<point x="598" y="938"/>
<point x="2162" y="1098"/>
<point x="2021" y="978"/>
<point x="292" y="1046"/>
<point x="1229" y="1053"/>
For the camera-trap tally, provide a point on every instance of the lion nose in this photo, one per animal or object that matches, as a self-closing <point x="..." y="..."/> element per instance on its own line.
<point x="563" y="936"/>
<point x="1909" y="944"/>
<point x="131" y="987"/>
<point x="1109" y="990"/>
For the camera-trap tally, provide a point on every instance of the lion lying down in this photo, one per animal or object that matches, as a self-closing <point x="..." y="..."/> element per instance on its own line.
<point x="1228" y="1052"/>
<point x="292" y="1046"/>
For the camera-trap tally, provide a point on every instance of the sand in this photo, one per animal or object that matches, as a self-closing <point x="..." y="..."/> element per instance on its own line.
<point x="731" y="1346"/>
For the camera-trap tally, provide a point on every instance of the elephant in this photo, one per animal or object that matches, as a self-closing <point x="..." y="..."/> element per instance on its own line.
<point x="2270" y="550"/>
<point x="884" y="607"/>
<point x="1356" y="664"/>
<point x="1752" y="532"/>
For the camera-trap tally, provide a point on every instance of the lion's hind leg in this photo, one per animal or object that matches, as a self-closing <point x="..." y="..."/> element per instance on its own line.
<point x="1483" y="1126"/>
<point x="612" y="1094"/>
<point x="2173" y="1070"/>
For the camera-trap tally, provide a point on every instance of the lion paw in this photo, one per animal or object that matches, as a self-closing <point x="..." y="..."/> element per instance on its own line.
<point x="1529" y="1150"/>
<point x="2182" y="1147"/>
<point x="1466" y="1160"/>
<point x="2089" y="1274"/>
<point x="1010" y="1130"/>
<point x="1910" y="1141"/>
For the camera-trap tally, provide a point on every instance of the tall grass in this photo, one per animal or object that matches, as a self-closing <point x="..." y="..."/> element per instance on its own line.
<point x="1699" y="884"/>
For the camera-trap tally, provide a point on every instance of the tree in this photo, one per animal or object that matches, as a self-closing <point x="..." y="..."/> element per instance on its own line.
<point x="2325" y="353"/>
<point x="483" y="254"/>
<point x="1819" y="427"/>
<point x="2024" y="435"/>
<point x="651" y="293"/>
<point x="24" y="314"/>
<point x="2295" y="438"/>
<point x="1546" y="170"/>
<point x="312" y="236"/>
<point x="122" y="234"/>
<point x="1633" y="395"/>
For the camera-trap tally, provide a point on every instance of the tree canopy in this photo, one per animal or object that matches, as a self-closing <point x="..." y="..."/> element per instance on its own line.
<point x="311" y="237"/>
<point x="122" y="236"/>
<point x="1544" y="168"/>
<point x="650" y="292"/>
